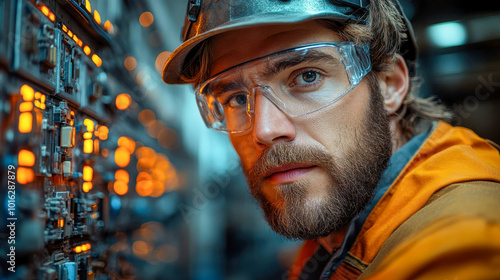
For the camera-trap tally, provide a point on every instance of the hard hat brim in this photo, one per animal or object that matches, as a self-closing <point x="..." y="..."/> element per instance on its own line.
<point x="172" y="70"/>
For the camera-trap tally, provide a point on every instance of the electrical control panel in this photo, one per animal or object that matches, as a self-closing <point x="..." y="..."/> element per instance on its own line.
<point x="74" y="142"/>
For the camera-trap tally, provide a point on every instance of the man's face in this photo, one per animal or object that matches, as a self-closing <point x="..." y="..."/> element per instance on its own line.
<point x="311" y="174"/>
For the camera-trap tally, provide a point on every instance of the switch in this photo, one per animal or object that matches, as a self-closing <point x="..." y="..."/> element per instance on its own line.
<point x="67" y="137"/>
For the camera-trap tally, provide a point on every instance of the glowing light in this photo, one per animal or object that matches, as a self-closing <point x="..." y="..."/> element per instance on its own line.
<point x="130" y="63"/>
<point x="78" y="249"/>
<point x="97" y="17"/>
<point x="27" y="92"/>
<point x="87" y="135"/>
<point x="158" y="174"/>
<point x="87" y="186"/>
<point x="146" y="116"/>
<point x="88" y="146"/>
<point x="65" y="28"/>
<point x="87" y="6"/>
<point x="52" y="17"/>
<point x="26" y="158"/>
<point x="89" y="124"/>
<point x="60" y="222"/>
<point x="123" y="101"/>
<point x="45" y="10"/>
<point x="158" y="189"/>
<point x="39" y="103"/>
<point x="96" y="145"/>
<point x="146" y="19"/>
<point x="109" y="27"/>
<point x="26" y="107"/>
<point x="25" y="122"/>
<point x="86" y="50"/>
<point x="70" y="34"/>
<point x="88" y="173"/>
<point x="143" y="176"/>
<point x="447" y="34"/>
<point x="140" y="248"/>
<point x="25" y="175"/>
<point x="144" y="188"/>
<point x="122" y="175"/>
<point x="103" y="133"/>
<point x="97" y="60"/>
<point x="104" y="153"/>
<point x="127" y="143"/>
<point x="155" y="127"/>
<point x="160" y="60"/>
<point x="147" y="153"/>
<point x="122" y="157"/>
<point x="120" y="187"/>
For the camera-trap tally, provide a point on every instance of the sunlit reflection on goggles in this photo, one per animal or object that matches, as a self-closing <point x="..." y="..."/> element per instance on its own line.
<point x="298" y="81"/>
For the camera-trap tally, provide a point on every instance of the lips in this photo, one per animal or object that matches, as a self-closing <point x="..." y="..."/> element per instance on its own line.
<point x="288" y="173"/>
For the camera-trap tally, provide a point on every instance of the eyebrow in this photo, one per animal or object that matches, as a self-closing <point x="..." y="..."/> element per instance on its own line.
<point x="287" y="62"/>
<point x="226" y="86"/>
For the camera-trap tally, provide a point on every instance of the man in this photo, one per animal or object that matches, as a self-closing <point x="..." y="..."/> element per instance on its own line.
<point x="316" y="98"/>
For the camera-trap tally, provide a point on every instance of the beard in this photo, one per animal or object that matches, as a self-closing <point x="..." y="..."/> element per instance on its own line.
<point x="353" y="178"/>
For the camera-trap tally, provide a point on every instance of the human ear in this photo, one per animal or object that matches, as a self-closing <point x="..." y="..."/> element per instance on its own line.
<point x="396" y="82"/>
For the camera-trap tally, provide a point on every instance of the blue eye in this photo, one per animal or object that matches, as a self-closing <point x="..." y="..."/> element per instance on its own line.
<point x="237" y="100"/>
<point x="306" y="78"/>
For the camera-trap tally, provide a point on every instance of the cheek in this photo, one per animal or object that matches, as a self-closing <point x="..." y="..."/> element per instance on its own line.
<point x="243" y="145"/>
<point x="335" y="126"/>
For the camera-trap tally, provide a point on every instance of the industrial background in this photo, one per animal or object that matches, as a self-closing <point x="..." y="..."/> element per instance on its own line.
<point x="112" y="173"/>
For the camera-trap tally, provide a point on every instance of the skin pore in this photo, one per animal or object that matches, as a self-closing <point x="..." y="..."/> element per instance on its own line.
<point x="312" y="174"/>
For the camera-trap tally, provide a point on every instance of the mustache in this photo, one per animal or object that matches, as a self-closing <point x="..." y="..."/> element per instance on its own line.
<point x="284" y="154"/>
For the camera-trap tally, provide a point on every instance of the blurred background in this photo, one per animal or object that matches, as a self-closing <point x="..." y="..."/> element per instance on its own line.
<point x="117" y="177"/>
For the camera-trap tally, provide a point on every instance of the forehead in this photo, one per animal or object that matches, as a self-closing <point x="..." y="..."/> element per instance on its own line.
<point x="235" y="47"/>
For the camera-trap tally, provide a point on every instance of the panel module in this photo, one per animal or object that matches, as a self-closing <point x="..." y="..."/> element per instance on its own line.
<point x="64" y="156"/>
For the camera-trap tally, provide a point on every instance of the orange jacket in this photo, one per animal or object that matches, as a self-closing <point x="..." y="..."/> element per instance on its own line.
<point x="440" y="218"/>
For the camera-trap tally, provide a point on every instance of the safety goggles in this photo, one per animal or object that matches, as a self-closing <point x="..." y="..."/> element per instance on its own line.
<point x="298" y="81"/>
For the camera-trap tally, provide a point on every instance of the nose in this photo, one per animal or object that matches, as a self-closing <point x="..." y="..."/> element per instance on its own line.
<point x="271" y="125"/>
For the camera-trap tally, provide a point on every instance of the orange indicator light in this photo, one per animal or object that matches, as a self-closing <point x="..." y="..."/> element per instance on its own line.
<point x="87" y="173"/>
<point x="88" y="146"/>
<point x="45" y="10"/>
<point x="25" y="122"/>
<point x="97" y="17"/>
<point x="87" y="186"/>
<point x="89" y="124"/>
<point x="26" y="158"/>
<point x="97" y="60"/>
<point x="25" y="175"/>
<point x="26" y="107"/>
<point x="122" y="157"/>
<point x="27" y="92"/>
<point x="123" y="101"/>
<point x="87" y="6"/>
<point x="120" y="187"/>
